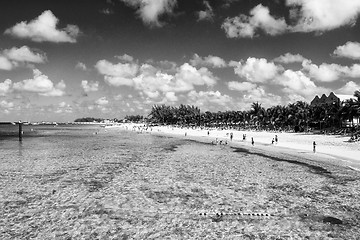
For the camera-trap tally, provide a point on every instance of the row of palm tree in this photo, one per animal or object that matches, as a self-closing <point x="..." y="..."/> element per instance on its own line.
<point x="297" y="116"/>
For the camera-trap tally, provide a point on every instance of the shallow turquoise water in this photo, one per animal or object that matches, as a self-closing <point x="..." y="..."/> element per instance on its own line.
<point x="73" y="182"/>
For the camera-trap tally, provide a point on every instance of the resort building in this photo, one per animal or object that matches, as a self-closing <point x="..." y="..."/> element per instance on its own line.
<point x="332" y="98"/>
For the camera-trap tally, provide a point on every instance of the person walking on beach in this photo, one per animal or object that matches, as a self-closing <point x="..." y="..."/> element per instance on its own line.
<point x="272" y="141"/>
<point x="314" y="146"/>
<point x="276" y="139"/>
<point x="231" y="136"/>
<point x="252" y="141"/>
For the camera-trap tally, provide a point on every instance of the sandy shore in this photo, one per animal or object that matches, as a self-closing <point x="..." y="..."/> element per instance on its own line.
<point x="332" y="148"/>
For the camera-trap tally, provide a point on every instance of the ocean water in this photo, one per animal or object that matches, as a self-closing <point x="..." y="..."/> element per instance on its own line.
<point x="88" y="182"/>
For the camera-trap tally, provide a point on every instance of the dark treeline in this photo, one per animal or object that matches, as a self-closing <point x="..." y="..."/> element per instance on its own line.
<point x="299" y="116"/>
<point x="89" y="119"/>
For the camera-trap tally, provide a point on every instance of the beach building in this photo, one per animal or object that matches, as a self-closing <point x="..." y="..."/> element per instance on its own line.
<point x="338" y="99"/>
<point x="332" y="98"/>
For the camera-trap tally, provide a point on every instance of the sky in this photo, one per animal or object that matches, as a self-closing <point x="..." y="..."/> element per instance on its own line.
<point x="62" y="60"/>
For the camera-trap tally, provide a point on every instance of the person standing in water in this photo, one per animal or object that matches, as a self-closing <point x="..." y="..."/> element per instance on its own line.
<point x="252" y="141"/>
<point x="314" y="146"/>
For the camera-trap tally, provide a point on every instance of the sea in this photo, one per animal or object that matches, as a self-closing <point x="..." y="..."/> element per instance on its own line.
<point x="90" y="182"/>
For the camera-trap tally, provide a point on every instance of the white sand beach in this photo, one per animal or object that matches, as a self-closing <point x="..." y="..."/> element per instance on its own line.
<point x="333" y="148"/>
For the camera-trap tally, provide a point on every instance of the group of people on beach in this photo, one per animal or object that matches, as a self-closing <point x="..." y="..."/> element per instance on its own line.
<point x="273" y="141"/>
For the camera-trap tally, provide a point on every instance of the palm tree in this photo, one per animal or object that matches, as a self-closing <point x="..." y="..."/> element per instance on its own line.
<point x="257" y="114"/>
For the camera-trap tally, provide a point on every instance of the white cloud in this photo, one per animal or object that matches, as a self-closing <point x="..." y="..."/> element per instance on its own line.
<point x="24" y="54"/>
<point x="353" y="71"/>
<point x="289" y="58"/>
<point x="323" y="15"/>
<point x="193" y="76"/>
<point x="7" y="105"/>
<point x="324" y="72"/>
<point x="170" y="97"/>
<point x="305" y="16"/>
<point x="207" y="14"/>
<point x="246" y="26"/>
<point x="153" y="81"/>
<point x="13" y="57"/>
<point x="117" y="74"/>
<point x="63" y="107"/>
<point x="5" y="63"/>
<point x="241" y="86"/>
<point x="102" y="101"/>
<point x="125" y="58"/>
<point x="349" y="88"/>
<point x="256" y="70"/>
<point x="259" y="94"/>
<point x="41" y="84"/>
<point x="5" y="87"/>
<point x="89" y="86"/>
<point x="349" y="50"/>
<point x="150" y="10"/>
<point x="208" y="99"/>
<point x="295" y="82"/>
<point x="43" y="29"/>
<point x="209" y="61"/>
<point x="81" y="66"/>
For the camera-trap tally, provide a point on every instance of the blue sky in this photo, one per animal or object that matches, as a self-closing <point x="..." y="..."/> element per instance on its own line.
<point x="61" y="60"/>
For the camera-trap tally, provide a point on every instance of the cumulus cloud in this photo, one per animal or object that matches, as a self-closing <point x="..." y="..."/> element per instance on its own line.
<point x="209" y="61"/>
<point x="259" y="94"/>
<point x="243" y="26"/>
<point x="5" y="63"/>
<point x="256" y="70"/>
<point x="81" y="66"/>
<point x="153" y="81"/>
<point x="150" y="10"/>
<point x="289" y="58"/>
<point x="63" y="107"/>
<point x="349" y="88"/>
<point x="117" y="74"/>
<point x="353" y="71"/>
<point x="348" y="50"/>
<point x="125" y="58"/>
<point x="44" y="29"/>
<point x="13" y="57"/>
<point x="305" y="16"/>
<point x="296" y="82"/>
<point x="324" y="72"/>
<point x="5" y="87"/>
<point x="190" y="74"/>
<point x="208" y="98"/>
<point x="102" y="101"/>
<point x="207" y="14"/>
<point x="24" y="54"/>
<point x="169" y="97"/>
<point x="323" y="15"/>
<point x="7" y="105"/>
<point x="89" y="86"/>
<point x="41" y="84"/>
<point x="241" y="86"/>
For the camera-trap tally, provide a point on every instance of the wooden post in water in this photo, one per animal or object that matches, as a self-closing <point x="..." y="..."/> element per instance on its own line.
<point x="20" y="131"/>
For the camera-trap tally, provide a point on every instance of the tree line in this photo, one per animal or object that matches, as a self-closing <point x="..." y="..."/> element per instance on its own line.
<point x="297" y="116"/>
